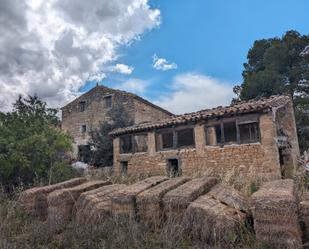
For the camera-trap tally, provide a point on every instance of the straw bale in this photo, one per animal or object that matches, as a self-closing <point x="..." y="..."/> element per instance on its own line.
<point x="34" y="200"/>
<point x="215" y="217"/>
<point x="124" y="202"/>
<point x="229" y="196"/>
<point x="93" y="206"/>
<point x="61" y="202"/>
<point x="149" y="202"/>
<point x="275" y="214"/>
<point x="176" y="201"/>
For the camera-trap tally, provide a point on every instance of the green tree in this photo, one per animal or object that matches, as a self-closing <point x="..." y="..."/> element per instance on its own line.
<point x="280" y="66"/>
<point x="32" y="148"/>
<point x="101" y="142"/>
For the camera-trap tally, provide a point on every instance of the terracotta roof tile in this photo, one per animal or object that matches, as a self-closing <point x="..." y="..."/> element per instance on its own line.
<point x="220" y="111"/>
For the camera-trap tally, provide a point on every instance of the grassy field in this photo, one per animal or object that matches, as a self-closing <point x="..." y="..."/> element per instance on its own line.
<point x="19" y="230"/>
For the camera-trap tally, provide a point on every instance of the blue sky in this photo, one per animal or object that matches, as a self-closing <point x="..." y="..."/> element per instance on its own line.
<point x="206" y="37"/>
<point x="199" y="47"/>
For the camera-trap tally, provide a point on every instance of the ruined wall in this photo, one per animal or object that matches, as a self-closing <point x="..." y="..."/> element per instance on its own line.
<point x="259" y="158"/>
<point x="285" y="121"/>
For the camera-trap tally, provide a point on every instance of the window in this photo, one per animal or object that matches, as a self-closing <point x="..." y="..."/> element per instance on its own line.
<point x="164" y="140"/>
<point x="140" y="143"/>
<point x="124" y="167"/>
<point x="185" y="137"/>
<point x="83" y="128"/>
<point x="82" y="106"/>
<point x="245" y="129"/>
<point x="134" y="143"/>
<point x="174" y="138"/>
<point x="108" y="101"/>
<point x="249" y="132"/>
<point x="218" y="134"/>
<point x="167" y="140"/>
<point x="126" y="144"/>
<point x="230" y="133"/>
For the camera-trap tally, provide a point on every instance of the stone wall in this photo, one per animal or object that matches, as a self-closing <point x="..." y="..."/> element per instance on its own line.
<point x="96" y="112"/>
<point x="145" y="112"/>
<point x="285" y="121"/>
<point x="259" y="158"/>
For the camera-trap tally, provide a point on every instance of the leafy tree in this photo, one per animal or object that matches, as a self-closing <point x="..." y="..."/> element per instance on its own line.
<point x="101" y="142"/>
<point x="31" y="145"/>
<point x="280" y="66"/>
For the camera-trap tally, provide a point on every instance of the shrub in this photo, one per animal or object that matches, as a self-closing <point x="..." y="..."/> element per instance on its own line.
<point x="31" y="145"/>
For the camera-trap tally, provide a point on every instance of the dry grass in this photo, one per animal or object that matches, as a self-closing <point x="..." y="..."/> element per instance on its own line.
<point x="18" y="230"/>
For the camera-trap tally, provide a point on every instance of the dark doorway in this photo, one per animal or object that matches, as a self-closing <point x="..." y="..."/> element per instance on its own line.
<point x="84" y="153"/>
<point x="124" y="168"/>
<point x="173" y="167"/>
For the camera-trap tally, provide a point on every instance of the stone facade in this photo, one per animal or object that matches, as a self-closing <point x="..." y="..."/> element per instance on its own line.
<point x="90" y="109"/>
<point x="260" y="157"/>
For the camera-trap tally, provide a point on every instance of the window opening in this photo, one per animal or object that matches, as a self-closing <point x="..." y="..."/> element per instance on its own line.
<point x="167" y="140"/>
<point x="185" y="137"/>
<point x="140" y="143"/>
<point x="244" y="129"/>
<point x="249" y="132"/>
<point x="108" y="101"/>
<point x="230" y="133"/>
<point x="126" y="144"/>
<point x="218" y="134"/>
<point x="82" y="106"/>
<point x="83" y="128"/>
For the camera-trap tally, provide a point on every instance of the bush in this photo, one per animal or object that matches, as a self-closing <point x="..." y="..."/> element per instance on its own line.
<point x="62" y="171"/>
<point x="31" y="145"/>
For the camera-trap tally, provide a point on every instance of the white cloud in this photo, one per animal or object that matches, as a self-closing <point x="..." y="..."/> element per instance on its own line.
<point x="99" y="76"/>
<point x="193" y="92"/>
<point x="51" y="47"/>
<point x="121" y="68"/>
<point x="133" y="85"/>
<point x="162" y="64"/>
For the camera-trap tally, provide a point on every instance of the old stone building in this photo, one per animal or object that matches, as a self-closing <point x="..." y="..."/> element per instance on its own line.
<point x="90" y="109"/>
<point x="257" y="137"/>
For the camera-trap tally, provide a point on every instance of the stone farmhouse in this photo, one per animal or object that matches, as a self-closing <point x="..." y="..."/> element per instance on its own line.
<point x="88" y="111"/>
<point x="257" y="137"/>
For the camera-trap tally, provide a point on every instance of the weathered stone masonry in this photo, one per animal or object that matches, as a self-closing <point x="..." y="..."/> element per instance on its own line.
<point x="90" y="109"/>
<point x="273" y="142"/>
